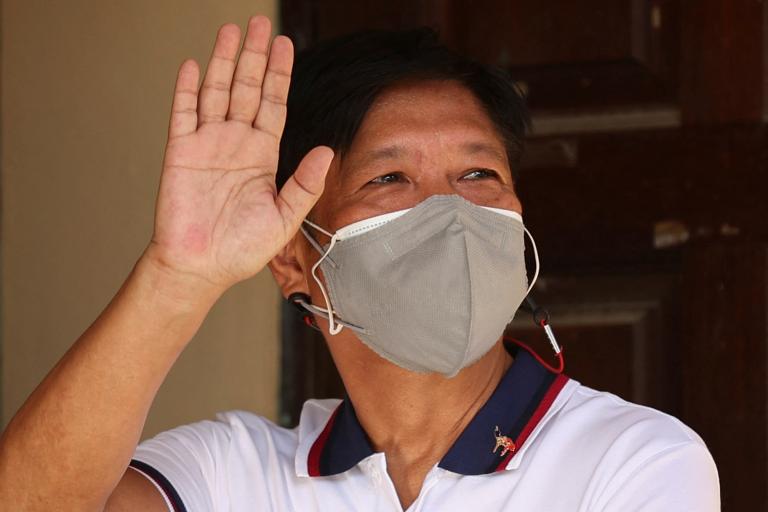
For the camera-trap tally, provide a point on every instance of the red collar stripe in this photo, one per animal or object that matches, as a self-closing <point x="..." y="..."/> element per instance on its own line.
<point x="546" y="402"/>
<point x="313" y="463"/>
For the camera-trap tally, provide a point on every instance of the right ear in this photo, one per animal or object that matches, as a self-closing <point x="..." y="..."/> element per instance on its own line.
<point x="288" y="271"/>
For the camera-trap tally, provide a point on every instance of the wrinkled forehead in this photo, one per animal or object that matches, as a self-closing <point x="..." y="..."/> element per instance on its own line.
<point x="426" y="111"/>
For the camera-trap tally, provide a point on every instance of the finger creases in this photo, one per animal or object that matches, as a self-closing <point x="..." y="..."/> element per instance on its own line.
<point x="277" y="80"/>
<point x="184" y="108"/>
<point x="215" y="91"/>
<point x="249" y="73"/>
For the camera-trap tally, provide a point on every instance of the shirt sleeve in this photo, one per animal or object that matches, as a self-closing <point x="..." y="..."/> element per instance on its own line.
<point x="682" y="478"/>
<point x="182" y="463"/>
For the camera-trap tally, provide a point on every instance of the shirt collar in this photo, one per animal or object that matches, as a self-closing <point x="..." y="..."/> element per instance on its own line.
<point x="518" y="405"/>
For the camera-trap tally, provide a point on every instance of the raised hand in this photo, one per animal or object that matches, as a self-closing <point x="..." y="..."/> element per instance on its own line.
<point x="218" y="215"/>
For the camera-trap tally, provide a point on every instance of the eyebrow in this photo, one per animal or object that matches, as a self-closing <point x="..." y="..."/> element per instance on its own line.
<point x="385" y="153"/>
<point x="487" y="149"/>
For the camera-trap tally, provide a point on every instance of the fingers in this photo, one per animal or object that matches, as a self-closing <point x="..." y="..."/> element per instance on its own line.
<point x="213" y="102"/>
<point x="251" y="89"/>
<point x="303" y="189"/>
<point x="274" y="95"/>
<point x="249" y="74"/>
<point x="184" y="108"/>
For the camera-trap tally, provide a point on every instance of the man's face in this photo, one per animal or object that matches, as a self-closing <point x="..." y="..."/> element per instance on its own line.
<point x="417" y="140"/>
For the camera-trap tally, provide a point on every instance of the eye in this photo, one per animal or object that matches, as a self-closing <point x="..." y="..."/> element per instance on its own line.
<point x="392" y="177"/>
<point x="480" y="174"/>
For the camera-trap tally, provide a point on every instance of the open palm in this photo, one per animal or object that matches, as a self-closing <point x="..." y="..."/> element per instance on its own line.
<point x="219" y="216"/>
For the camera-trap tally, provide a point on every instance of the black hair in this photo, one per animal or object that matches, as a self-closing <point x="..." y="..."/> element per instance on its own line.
<point x="335" y="83"/>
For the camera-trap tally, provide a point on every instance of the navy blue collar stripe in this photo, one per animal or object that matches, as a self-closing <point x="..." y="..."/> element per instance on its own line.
<point x="480" y="454"/>
<point x="320" y="444"/>
<point x="522" y="398"/>
<point x="510" y="408"/>
<point x="533" y="405"/>
<point x="347" y="442"/>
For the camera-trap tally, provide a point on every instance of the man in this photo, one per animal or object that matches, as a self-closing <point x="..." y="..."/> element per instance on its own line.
<point x="401" y="235"/>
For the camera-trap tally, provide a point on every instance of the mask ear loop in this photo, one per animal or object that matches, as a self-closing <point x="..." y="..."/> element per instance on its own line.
<point x="543" y="320"/>
<point x="535" y="257"/>
<point x="334" y="328"/>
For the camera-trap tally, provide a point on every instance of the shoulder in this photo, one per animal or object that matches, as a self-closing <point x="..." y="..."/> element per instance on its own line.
<point x="599" y="428"/>
<point x="203" y="465"/>
<point x="611" y="417"/>
<point x="635" y="453"/>
<point x="232" y="437"/>
<point x="231" y="433"/>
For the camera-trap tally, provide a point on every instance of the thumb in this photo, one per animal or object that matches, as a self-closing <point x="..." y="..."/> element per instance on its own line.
<point x="304" y="187"/>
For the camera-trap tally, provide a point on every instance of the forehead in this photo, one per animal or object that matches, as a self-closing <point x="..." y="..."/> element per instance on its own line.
<point x="440" y="111"/>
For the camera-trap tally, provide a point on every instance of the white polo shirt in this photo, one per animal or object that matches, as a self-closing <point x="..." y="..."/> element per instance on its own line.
<point x="572" y="449"/>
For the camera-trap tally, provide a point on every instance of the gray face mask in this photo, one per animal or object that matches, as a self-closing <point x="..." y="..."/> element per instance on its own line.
<point x="430" y="288"/>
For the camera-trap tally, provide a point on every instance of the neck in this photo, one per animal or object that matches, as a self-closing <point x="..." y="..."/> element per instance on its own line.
<point x="415" y="418"/>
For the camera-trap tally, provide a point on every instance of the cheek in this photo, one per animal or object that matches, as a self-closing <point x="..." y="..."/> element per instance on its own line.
<point x="498" y="196"/>
<point x="514" y="202"/>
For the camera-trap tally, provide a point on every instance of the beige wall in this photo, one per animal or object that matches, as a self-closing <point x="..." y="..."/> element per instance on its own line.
<point x="86" y="88"/>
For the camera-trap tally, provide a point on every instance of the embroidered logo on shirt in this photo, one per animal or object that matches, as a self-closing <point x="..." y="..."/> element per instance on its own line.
<point x="503" y="442"/>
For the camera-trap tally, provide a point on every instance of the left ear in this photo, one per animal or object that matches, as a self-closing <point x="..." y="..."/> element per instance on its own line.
<point x="288" y="271"/>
